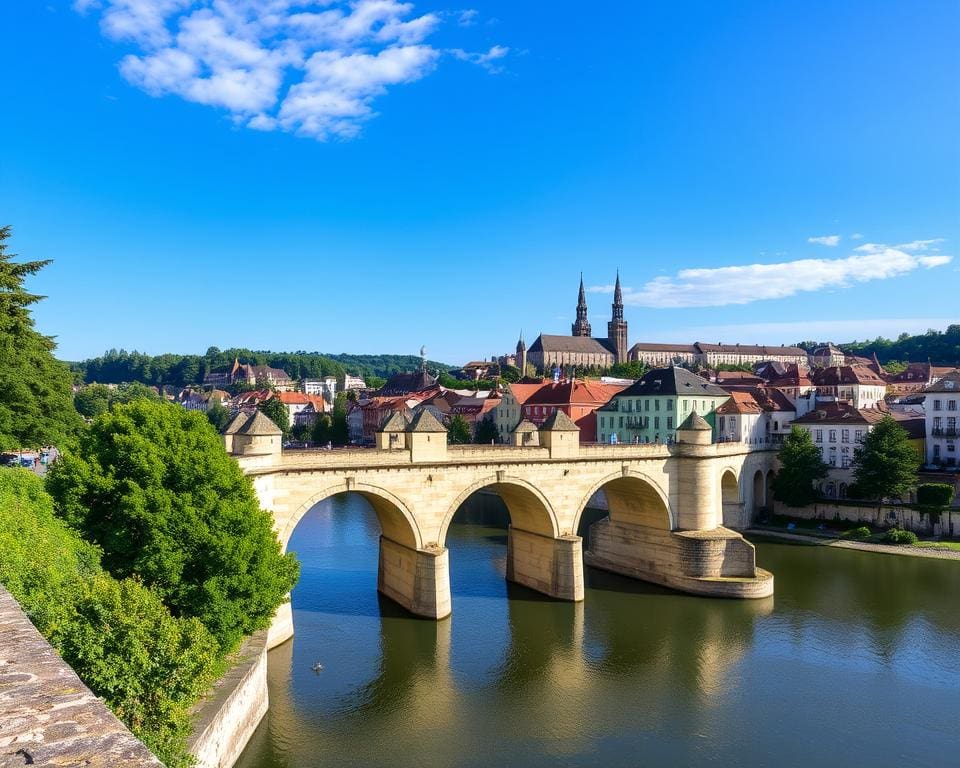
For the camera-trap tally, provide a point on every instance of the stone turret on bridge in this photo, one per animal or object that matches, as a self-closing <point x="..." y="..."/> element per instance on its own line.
<point x="670" y="506"/>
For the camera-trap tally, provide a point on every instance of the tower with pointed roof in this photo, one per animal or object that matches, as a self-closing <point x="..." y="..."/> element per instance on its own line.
<point x="522" y="355"/>
<point x="617" y="327"/>
<point x="582" y="326"/>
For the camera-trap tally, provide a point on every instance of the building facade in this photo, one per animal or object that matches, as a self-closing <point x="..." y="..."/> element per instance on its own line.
<point x="941" y="412"/>
<point x="651" y="410"/>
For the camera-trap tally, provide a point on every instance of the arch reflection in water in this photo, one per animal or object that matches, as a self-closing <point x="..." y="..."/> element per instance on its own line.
<point x="634" y="675"/>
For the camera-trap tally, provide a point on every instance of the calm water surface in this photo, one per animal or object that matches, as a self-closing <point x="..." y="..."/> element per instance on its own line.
<point x="855" y="661"/>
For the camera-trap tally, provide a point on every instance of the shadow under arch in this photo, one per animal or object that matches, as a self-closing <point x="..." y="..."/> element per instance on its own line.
<point x="633" y="498"/>
<point x="538" y="555"/>
<point x="529" y="509"/>
<point x="731" y="499"/>
<point x="397" y="523"/>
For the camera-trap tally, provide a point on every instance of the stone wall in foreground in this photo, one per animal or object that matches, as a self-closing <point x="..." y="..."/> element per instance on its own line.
<point x="47" y="715"/>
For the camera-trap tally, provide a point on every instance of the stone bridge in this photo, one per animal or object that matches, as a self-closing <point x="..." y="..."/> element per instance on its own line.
<point x="672" y="508"/>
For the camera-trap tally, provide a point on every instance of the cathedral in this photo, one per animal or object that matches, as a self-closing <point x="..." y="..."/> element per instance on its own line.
<point x="581" y="348"/>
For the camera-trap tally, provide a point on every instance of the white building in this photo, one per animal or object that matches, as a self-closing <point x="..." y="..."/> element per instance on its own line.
<point x="325" y="387"/>
<point x="353" y="382"/>
<point x="758" y="418"/>
<point x="941" y="410"/>
<point x="857" y="385"/>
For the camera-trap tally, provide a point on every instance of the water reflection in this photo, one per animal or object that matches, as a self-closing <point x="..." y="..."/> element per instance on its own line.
<point x="848" y="664"/>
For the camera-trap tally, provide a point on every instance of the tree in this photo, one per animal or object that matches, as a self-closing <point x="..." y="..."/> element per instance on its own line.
<point x="340" y="433"/>
<point x="154" y="488"/>
<point x="800" y="467"/>
<point x="218" y="415"/>
<point x="322" y="432"/>
<point x="458" y="431"/>
<point x="148" y="666"/>
<point x="629" y="370"/>
<point x="92" y="400"/>
<point x="277" y="412"/>
<point x="36" y="399"/>
<point x="486" y="431"/>
<point x="885" y="465"/>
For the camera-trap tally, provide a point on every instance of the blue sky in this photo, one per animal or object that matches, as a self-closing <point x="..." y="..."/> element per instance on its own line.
<point x="373" y="176"/>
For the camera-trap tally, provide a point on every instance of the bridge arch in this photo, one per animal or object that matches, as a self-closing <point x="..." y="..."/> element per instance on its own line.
<point x="731" y="498"/>
<point x="396" y="520"/>
<point x="632" y="498"/>
<point x="529" y="509"/>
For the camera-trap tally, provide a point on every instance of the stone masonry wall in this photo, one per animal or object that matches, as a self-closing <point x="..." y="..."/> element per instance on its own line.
<point x="47" y="715"/>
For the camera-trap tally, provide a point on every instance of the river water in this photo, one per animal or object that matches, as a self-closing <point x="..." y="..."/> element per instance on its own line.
<point x="855" y="661"/>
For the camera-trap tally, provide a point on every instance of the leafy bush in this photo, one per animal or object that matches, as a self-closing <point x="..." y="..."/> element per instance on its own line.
<point x="857" y="534"/>
<point x="934" y="494"/>
<point x="148" y="666"/>
<point x="153" y="487"/>
<point x="899" y="536"/>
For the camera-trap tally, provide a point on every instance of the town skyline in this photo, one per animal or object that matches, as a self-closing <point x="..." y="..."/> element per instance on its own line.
<point x="523" y="148"/>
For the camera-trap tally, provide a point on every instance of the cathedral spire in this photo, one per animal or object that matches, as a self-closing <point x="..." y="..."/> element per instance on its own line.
<point x="617" y="294"/>
<point x="581" y="327"/>
<point x="617" y="327"/>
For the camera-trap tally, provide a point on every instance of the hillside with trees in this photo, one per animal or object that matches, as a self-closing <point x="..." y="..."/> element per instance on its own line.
<point x="118" y="366"/>
<point x="939" y="347"/>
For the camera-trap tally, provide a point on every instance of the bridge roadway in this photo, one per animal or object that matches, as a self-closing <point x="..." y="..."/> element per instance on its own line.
<point x="672" y="508"/>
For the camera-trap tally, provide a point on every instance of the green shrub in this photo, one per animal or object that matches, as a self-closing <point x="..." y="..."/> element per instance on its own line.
<point x="148" y="666"/>
<point x="899" y="536"/>
<point x="934" y="494"/>
<point x="857" y="533"/>
<point x="154" y="488"/>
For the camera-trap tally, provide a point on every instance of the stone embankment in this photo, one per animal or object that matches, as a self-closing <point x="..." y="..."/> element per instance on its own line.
<point x="863" y="546"/>
<point x="48" y="717"/>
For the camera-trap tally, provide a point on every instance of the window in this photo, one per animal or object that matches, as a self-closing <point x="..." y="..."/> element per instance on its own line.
<point x="833" y="435"/>
<point x="858" y="435"/>
<point x="646" y="405"/>
<point x="656" y="422"/>
<point x="845" y="436"/>
<point x="845" y="458"/>
<point x="670" y="405"/>
<point x="936" y="405"/>
<point x="936" y="451"/>
<point x="669" y="422"/>
<point x="620" y="425"/>
<point x="951" y="405"/>
<point x="819" y="437"/>
<point x="723" y="423"/>
<point x="656" y="405"/>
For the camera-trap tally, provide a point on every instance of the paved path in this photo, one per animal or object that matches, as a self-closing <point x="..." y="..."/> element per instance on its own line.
<point x="886" y="549"/>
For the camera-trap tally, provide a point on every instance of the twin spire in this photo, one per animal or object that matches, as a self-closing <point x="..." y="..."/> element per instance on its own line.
<point x="582" y="326"/>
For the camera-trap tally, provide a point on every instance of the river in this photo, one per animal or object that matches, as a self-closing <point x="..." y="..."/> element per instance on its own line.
<point x="854" y="661"/>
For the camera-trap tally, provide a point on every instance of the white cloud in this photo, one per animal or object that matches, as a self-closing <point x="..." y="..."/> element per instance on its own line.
<point x="489" y="60"/>
<point x="311" y="67"/>
<point x="856" y="236"/>
<point x="467" y="18"/>
<point x="721" y="286"/>
<point x="830" y="240"/>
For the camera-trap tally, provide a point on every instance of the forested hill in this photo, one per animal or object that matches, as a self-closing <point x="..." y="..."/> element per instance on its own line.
<point x="115" y="367"/>
<point x="941" y="347"/>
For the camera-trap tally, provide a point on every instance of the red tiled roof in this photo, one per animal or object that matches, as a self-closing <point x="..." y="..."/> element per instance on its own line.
<point x="575" y="392"/>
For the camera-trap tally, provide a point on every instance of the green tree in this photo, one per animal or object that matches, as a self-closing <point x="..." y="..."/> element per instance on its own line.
<point x="218" y="415"/>
<point x="154" y="488"/>
<point x="36" y="398"/>
<point x="277" y="412"/>
<point x="92" y="400"/>
<point x="885" y="465"/>
<point x="486" y="431"/>
<point x="800" y="467"/>
<point x="148" y="666"/>
<point x="629" y="370"/>
<point x="340" y="433"/>
<point x="458" y="431"/>
<point x="129" y="391"/>
<point x="322" y="432"/>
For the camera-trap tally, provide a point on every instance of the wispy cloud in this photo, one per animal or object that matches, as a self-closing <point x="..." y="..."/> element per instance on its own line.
<point x="830" y="240"/>
<point x="490" y="60"/>
<point x="310" y="67"/>
<point x="467" y="17"/>
<point x="856" y="236"/>
<point x="722" y="286"/>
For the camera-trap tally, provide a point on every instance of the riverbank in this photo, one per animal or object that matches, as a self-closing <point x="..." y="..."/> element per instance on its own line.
<point x="814" y="538"/>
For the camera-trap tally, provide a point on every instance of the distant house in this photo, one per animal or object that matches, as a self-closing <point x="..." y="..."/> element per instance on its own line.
<point x="942" y="409"/>
<point x="298" y="403"/>
<point x="858" y="385"/>
<point x="650" y="410"/>
<point x="837" y="429"/>
<point x="254" y="375"/>
<point x="509" y="411"/>
<point x="579" y="400"/>
<point x="193" y="400"/>
<point x="325" y="387"/>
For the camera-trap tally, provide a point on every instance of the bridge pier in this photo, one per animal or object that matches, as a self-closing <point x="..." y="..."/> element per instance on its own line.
<point x="545" y="564"/>
<point x="417" y="579"/>
<point x="715" y="563"/>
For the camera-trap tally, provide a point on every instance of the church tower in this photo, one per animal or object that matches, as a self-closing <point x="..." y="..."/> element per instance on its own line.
<point x="522" y="355"/>
<point x="581" y="327"/>
<point x="617" y="327"/>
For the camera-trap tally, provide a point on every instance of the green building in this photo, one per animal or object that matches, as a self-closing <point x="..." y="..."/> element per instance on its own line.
<point x="650" y="410"/>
